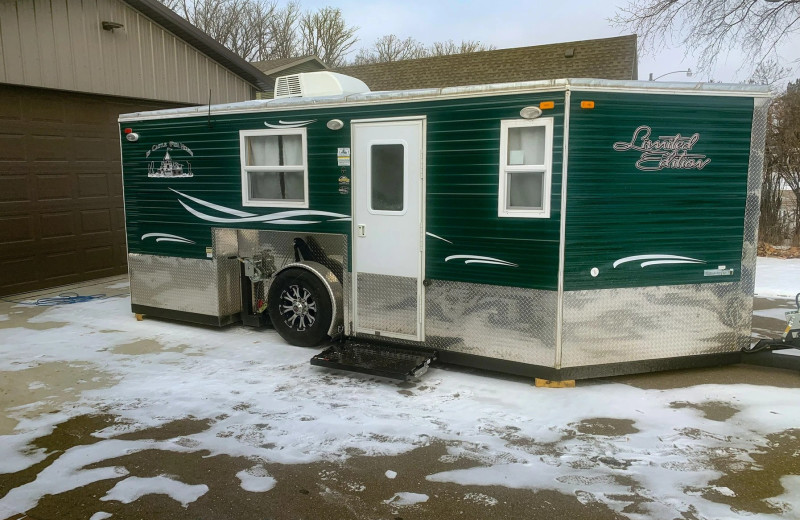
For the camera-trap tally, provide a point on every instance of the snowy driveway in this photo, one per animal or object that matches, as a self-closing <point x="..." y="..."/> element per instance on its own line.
<point x="102" y="416"/>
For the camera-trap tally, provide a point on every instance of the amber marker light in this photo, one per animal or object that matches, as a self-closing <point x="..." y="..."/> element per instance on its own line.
<point x="587" y="104"/>
<point x="544" y="105"/>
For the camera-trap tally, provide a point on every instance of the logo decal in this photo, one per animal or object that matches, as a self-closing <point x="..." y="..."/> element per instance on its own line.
<point x="667" y="152"/>
<point x="169" y="167"/>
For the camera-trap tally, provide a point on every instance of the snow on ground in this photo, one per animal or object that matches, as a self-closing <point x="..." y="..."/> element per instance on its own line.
<point x="240" y="380"/>
<point x="256" y="479"/>
<point x="134" y="488"/>
<point x="777" y="277"/>
<point x="404" y="498"/>
<point x="790" y="499"/>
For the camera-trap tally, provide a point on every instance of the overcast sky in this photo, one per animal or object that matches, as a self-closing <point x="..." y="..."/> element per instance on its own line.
<point x="520" y="23"/>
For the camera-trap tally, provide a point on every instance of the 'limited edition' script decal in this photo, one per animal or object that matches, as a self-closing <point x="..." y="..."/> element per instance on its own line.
<point x="666" y="152"/>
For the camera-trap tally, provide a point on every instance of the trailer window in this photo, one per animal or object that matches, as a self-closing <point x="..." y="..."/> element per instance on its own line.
<point x="526" y="151"/>
<point x="274" y="171"/>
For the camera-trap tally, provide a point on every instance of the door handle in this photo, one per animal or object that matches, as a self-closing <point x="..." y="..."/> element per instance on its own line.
<point x="362" y="230"/>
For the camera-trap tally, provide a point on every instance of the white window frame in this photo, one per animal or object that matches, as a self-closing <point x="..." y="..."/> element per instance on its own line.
<point x="546" y="169"/>
<point x="246" y="170"/>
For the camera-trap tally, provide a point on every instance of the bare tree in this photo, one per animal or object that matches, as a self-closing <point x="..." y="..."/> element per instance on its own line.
<point x="326" y="34"/>
<point x="772" y="226"/>
<point x="283" y="26"/>
<point x="783" y="145"/>
<point x="391" y="48"/>
<point x="712" y="26"/>
<point x="243" y="26"/>
<point x="260" y="30"/>
<point x="450" y="47"/>
<point x="769" y="73"/>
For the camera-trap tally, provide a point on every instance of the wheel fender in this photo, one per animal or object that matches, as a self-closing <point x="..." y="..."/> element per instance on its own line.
<point x="331" y="282"/>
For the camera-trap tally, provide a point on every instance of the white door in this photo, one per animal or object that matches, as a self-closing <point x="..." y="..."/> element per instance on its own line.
<point x="388" y="186"/>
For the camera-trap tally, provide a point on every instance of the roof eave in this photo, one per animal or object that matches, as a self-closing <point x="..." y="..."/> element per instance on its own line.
<point x="299" y="61"/>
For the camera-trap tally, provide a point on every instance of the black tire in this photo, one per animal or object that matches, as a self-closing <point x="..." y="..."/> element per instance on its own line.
<point x="300" y="308"/>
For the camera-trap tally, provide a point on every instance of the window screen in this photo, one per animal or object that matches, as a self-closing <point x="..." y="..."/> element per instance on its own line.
<point x="387" y="177"/>
<point x="525" y="190"/>
<point x="276" y="186"/>
<point x="274" y="168"/>
<point x="525" y="168"/>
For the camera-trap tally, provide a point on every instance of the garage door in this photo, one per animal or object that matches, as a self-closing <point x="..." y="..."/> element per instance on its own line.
<point x="61" y="216"/>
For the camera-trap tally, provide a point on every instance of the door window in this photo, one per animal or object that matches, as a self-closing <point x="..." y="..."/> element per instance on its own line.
<point x="387" y="178"/>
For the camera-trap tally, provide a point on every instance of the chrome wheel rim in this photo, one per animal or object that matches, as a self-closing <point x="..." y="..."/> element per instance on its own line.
<point x="298" y="307"/>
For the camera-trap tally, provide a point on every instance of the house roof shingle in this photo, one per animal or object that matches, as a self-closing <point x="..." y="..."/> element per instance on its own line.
<point x="605" y="58"/>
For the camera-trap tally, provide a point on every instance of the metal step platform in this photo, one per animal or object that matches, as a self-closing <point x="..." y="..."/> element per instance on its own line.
<point x="390" y="361"/>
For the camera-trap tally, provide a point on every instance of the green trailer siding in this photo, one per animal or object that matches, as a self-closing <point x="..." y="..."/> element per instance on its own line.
<point x="616" y="211"/>
<point x="462" y="147"/>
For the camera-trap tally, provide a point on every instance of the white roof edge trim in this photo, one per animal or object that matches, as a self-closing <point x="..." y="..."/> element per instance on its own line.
<point x="740" y="89"/>
<point x="403" y="96"/>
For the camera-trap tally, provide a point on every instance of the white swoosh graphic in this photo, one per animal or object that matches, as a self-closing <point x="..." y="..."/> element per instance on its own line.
<point x="271" y="218"/>
<point x="655" y="257"/>
<point x="166" y="237"/>
<point x="474" y="259"/>
<point x="217" y="207"/>
<point x="507" y="264"/>
<point x="437" y="236"/>
<point x="294" y="221"/>
<point x="290" y="124"/>
<point x="657" y="262"/>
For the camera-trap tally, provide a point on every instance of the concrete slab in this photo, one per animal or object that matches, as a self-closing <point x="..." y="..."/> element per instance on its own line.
<point x="100" y="413"/>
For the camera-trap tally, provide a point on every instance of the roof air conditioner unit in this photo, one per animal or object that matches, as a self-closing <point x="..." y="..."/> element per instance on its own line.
<point x="316" y="84"/>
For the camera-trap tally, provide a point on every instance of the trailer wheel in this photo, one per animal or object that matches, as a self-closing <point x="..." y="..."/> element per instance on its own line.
<point x="300" y="307"/>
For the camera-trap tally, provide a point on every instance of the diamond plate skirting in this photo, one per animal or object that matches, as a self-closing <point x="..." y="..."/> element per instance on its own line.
<point x="509" y="323"/>
<point x="622" y="325"/>
<point x="229" y="288"/>
<point x="212" y="287"/>
<point x="177" y="284"/>
<point x="387" y="304"/>
<point x="753" y="205"/>
<point x="195" y="285"/>
<point x="619" y="325"/>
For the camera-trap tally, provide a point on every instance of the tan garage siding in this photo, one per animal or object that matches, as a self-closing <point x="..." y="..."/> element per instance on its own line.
<point x="60" y="44"/>
<point x="61" y="216"/>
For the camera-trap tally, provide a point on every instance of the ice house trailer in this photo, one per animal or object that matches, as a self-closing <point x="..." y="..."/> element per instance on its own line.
<point x="564" y="229"/>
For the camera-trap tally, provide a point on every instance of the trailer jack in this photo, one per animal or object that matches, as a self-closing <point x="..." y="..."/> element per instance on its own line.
<point x="791" y="335"/>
